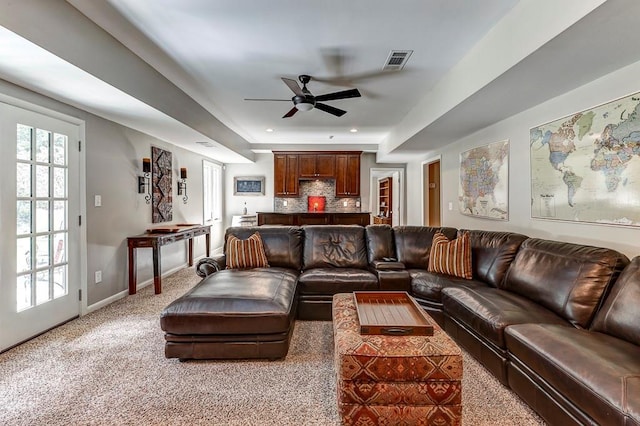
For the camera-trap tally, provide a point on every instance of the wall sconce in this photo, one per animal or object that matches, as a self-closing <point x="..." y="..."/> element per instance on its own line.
<point x="144" y="181"/>
<point x="182" y="184"/>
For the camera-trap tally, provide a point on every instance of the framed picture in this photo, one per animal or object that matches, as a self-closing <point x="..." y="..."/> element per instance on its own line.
<point x="584" y="166"/>
<point x="484" y="181"/>
<point x="248" y="185"/>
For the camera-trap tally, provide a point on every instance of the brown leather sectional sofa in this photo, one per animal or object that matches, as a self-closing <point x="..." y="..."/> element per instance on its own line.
<point x="557" y="322"/>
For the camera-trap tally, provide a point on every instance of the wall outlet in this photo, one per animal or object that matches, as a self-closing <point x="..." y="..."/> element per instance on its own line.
<point x="345" y="203"/>
<point x="97" y="201"/>
<point x="98" y="277"/>
<point x="358" y="203"/>
<point x="284" y="203"/>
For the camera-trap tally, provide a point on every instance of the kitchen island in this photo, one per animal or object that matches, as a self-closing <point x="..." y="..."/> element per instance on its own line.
<point x="314" y="218"/>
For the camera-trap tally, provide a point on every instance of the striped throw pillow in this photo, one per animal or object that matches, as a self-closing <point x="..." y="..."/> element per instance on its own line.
<point x="451" y="257"/>
<point x="243" y="254"/>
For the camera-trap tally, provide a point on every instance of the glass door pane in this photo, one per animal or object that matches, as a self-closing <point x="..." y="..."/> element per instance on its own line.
<point x="41" y="220"/>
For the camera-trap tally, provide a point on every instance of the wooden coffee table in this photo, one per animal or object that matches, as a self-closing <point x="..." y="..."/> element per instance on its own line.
<point x="391" y="379"/>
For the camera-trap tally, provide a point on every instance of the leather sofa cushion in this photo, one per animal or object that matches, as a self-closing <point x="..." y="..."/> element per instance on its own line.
<point x="488" y="310"/>
<point x="569" y="279"/>
<point x="429" y="285"/>
<point x="334" y="246"/>
<point x="249" y="301"/>
<point x="379" y="242"/>
<point x="620" y="314"/>
<point x="492" y="253"/>
<point x="413" y="244"/>
<point x="282" y="244"/>
<point x="598" y="373"/>
<point x="381" y="265"/>
<point x="329" y="281"/>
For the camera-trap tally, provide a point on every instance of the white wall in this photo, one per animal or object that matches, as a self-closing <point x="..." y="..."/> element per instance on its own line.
<point x="263" y="166"/>
<point x="516" y="129"/>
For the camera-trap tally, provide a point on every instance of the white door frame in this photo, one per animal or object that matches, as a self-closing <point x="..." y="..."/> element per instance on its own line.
<point x="81" y="184"/>
<point x="380" y="172"/>
<point x="423" y="178"/>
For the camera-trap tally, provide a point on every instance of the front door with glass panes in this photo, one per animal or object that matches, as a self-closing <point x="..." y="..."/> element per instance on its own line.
<point x="39" y="194"/>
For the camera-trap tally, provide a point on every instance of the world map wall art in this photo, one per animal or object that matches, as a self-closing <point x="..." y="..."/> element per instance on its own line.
<point x="585" y="167"/>
<point x="484" y="181"/>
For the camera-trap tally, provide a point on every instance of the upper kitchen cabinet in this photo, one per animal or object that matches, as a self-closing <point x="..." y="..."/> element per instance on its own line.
<point x="348" y="175"/>
<point x="285" y="175"/>
<point x="343" y="166"/>
<point x="319" y="166"/>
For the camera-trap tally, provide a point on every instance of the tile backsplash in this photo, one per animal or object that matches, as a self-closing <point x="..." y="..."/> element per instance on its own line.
<point x="326" y="188"/>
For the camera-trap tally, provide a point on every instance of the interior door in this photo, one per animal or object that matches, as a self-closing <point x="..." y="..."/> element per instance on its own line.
<point x="39" y="211"/>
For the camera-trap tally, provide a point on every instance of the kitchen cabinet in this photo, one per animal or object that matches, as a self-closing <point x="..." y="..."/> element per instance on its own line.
<point x="343" y="166"/>
<point x="285" y="175"/>
<point x="275" y="219"/>
<point x="308" y="218"/>
<point x="318" y="166"/>
<point x="348" y="175"/>
<point x="312" y="219"/>
<point x="361" y="219"/>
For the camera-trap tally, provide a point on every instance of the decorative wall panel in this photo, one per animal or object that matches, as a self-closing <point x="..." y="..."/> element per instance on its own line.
<point x="161" y="185"/>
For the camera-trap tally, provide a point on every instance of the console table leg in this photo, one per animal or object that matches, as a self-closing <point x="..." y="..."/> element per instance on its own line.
<point x="132" y="270"/>
<point x="207" y="244"/>
<point x="157" y="280"/>
<point x="190" y="251"/>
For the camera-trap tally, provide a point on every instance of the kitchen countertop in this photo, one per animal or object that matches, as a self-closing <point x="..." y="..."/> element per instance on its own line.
<point x="323" y="212"/>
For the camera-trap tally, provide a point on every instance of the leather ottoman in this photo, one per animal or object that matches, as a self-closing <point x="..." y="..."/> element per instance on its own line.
<point x="233" y="314"/>
<point x="385" y="380"/>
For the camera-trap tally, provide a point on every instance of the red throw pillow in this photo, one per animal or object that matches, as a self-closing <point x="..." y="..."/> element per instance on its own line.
<point x="451" y="257"/>
<point x="243" y="254"/>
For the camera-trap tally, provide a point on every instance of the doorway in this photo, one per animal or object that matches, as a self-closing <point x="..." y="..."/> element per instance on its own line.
<point x="41" y="240"/>
<point x="431" y="194"/>
<point x="398" y="216"/>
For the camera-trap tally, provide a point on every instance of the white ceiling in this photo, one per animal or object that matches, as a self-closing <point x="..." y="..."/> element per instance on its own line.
<point x="240" y="49"/>
<point x="217" y="53"/>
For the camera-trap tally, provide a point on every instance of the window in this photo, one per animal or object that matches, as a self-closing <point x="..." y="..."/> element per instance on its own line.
<point x="212" y="191"/>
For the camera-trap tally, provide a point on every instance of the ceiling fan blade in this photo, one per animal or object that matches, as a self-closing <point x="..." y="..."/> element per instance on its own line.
<point x="261" y="99"/>
<point x="293" y="85"/>
<point x="331" y="110"/>
<point x="291" y="112"/>
<point x="345" y="94"/>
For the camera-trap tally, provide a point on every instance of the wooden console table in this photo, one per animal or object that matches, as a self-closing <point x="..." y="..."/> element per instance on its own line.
<point x="158" y="237"/>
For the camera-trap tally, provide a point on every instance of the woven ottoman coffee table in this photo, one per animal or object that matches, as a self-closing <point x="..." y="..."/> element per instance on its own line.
<point x="394" y="380"/>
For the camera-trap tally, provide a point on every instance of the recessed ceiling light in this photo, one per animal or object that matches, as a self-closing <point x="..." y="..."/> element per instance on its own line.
<point x="354" y="130"/>
<point x="269" y="130"/>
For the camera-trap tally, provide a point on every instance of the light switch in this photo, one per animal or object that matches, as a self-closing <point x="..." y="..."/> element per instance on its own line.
<point x="97" y="202"/>
<point x="450" y="206"/>
<point x="98" y="277"/>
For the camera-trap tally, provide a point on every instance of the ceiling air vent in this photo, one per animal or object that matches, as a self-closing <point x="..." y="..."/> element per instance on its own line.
<point x="396" y="60"/>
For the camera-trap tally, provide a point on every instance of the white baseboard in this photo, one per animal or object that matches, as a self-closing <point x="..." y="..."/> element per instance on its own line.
<point x="125" y="293"/>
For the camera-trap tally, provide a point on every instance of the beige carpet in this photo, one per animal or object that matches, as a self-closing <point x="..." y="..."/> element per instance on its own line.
<point x="108" y="368"/>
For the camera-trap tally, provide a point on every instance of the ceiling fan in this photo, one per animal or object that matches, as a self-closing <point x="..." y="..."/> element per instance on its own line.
<point x="305" y="101"/>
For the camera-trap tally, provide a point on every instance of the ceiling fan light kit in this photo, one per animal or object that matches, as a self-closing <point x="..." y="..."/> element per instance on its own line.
<point x="304" y="100"/>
